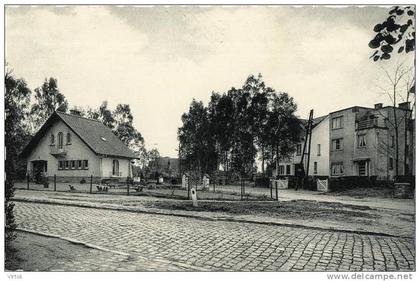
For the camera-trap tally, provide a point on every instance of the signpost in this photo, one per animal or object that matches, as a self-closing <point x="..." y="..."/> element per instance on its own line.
<point x="194" y="196"/>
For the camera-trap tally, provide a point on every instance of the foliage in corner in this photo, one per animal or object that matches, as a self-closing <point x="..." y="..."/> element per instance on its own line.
<point x="396" y="32"/>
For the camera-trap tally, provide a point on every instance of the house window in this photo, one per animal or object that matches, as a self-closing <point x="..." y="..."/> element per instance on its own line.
<point x="60" y="140"/>
<point x="315" y="168"/>
<point x="337" y="168"/>
<point x="299" y="149"/>
<point x="337" y="144"/>
<point x="79" y="164"/>
<point x="318" y="149"/>
<point x="85" y="164"/>
<point x="287" y="169"/>
<point x="67" y="164"/>
<point x="361" y="140"/>
<point x="392" y="141"/>
<point x="115" y="168"/>
<point x="60" y="165"/>
<point x="281" y="170"/>
<point x="52" y="139"/>
<point x="391" y="163"/>
<point x="73" y="164"/>
<point x="337" y="122"/>
<point x="68" y="138"/>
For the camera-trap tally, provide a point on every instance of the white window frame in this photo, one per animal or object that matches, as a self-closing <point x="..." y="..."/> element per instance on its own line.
<point x="334" y="144"/>
<point x="115" y="167"/>
<point x="361" y="140"/>
<point x="337" y="168"/>
<point x="299" y="149"/>
<point x="337" y="122"/>
<point x="281" y="170"/>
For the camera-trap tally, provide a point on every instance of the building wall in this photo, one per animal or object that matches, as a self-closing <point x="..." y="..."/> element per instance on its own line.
<point x="388" y="112"/>
<point x="77" y="150"/>
<point x="320" y="135"/>
<point x="124" y="167"/>
<point x="348" y="135"/>
<point x="378" y="150"/>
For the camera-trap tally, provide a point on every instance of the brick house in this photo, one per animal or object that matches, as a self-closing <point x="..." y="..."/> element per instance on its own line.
<point x="357" y="141"/>
<point x="73" y="147"/>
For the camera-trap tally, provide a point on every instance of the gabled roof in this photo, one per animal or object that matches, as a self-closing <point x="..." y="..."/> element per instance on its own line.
<point x="315" y="121"/>
<point x="99" y="138"/>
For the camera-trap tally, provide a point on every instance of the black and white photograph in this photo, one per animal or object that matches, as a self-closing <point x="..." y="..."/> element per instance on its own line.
<point x="210" y="138"/>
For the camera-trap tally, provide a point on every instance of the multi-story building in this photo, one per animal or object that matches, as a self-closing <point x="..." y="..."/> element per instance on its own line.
<point x="358" y="141"/>
<point x="319" y="152"/>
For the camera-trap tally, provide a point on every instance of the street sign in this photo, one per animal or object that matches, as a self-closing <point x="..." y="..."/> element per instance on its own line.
<point x="194" y="196"/>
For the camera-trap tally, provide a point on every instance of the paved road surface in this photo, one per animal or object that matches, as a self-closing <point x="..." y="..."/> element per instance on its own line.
<point x="156" y="242"/>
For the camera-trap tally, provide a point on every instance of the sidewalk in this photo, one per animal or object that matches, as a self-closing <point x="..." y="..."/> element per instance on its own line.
<point x="403" y="205"/>
<point x="384" y="217"/>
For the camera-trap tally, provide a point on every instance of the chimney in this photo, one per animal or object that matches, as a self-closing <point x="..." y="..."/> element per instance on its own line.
<point x="75" y="112"/>
<point x="404" y="105"/>
<point x="378" y="105"/>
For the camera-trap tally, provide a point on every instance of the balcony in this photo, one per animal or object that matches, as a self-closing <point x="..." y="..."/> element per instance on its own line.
<point x="369" y="123"/>
<point x="58" y="152"/>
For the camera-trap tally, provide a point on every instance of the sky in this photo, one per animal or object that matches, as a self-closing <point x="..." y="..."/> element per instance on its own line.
<point x="158" y="59"/>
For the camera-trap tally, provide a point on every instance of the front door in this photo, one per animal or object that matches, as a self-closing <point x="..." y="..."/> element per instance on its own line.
<point x="363" y="168"/>
<point x="39" y="170"/>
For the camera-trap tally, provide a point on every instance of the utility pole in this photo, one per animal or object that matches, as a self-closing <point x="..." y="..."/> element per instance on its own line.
<point x="308" y="136"/>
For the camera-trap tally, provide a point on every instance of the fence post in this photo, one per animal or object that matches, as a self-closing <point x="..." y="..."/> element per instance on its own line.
<point x="241" y="189"/>
<point x="91" y="181"/>
<point x="277" y="191"/>
<point x="55" y="182"/>
<point x="188" y="188"/>
<point x="27" y="181"/>
<point x="128" y="186"/>
<point x="214" y="186"/>
<point x="271" y="189"/>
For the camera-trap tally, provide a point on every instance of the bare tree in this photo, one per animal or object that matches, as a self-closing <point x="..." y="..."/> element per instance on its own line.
<point x="398" y="87"/>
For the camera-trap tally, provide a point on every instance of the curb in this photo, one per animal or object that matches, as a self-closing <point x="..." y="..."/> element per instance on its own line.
<point x="73" y="241"/>
<point x="228" y="219"/>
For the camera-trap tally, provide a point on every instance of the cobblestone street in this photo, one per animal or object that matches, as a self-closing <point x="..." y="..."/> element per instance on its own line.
<point x="156" y="242"/>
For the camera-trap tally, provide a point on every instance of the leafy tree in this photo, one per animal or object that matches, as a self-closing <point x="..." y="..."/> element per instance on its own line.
<point x="103" y="114"/>
<point x="120" y="121"/>
<point x="282" y="127"/>
<point x="236" y="125"/>
<point x="243" y="149"/>
<point x="16" y="99"/>
<point x="48" y="98"/>
<point x="197" y="145"/>
<point x="221" y="117"/>
<point x="153" y="156"/>
<point x="259" y="112"/>
<point x="124" y="127"/>
<point x="396" y="32"/>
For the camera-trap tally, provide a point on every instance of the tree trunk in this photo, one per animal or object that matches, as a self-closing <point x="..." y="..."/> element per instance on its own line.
<point x="263" y="158"/>
<point x="405" y="143"/>
<point x="277" y="159"/>
<point x="396" y="134"/>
